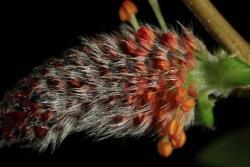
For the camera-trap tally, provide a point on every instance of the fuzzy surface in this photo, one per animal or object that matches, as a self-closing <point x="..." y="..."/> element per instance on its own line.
<point x="112" y="85"/>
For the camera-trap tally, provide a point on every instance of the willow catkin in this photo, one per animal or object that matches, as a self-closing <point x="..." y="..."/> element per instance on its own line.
<point x="125" y="84"/>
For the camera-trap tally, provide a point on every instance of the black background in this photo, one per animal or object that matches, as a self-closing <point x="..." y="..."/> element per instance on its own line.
<point x="31" y="32"/>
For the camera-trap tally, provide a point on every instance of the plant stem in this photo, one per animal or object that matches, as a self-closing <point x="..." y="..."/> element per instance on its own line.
<point x="157" y="10"/>
<point x="219" y="28"/>
<point x="133" y="21"/>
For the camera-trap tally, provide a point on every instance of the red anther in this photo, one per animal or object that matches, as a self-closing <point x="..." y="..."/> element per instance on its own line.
<point x="162" y="64"/>
<point x="187" y="105"/>
<point x="145" y="37"/>
<point x="74" y="83"/>
<point x="15" y="118"/>
<point x="162" y="84"/>
<point x="40" y="132"/>
<point x="141" y="67"/>
<point x="189" y="42"/>
<point x="190" y="60"/>
<point x="46" y="116"/>
<point x="32" y="107"/>
<point x="132" y="48"/>
<point x="192" y="91"/>
<point x="170" y="39"/>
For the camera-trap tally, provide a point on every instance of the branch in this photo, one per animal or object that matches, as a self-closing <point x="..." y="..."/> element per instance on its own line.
<point x="219" y="28"/>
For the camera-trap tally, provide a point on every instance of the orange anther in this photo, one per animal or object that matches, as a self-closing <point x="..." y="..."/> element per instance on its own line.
<point x="179" y="141"/>
<point x="192" y="90"/>
<point x="164" y="147"/>
<point x="185" y="108"/>
<point x="182" y="91"/>
<point x="180" y="95"/>
<point x="189" y="103"/>
<point x="174" y="129"/>
<point x="127" y="9"/>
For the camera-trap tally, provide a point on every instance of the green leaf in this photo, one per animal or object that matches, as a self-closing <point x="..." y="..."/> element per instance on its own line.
<point x="230" y="150"/>
<point x="234" y="72"/>
<point x="204" y="110"/>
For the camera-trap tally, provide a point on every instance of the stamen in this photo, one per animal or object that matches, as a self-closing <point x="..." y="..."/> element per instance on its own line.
<point x="164" y="147"/>
<point x="127" y="13"/>
<point x="157" y="11"/>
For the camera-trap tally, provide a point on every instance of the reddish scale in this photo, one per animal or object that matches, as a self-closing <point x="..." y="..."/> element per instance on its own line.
<point x="151" y="99"/>
<point x="170" y="100"/>
<point x="123" y="70"/>
<point x="45" y="71"/>
<point x="170" y="40"/>
<point x="25" y="85"/>
<point x="141" y="85"/>
<point x="13" y="120"/>
<point x="142" y="44"/>
<point x="157" y="96"/>
<point x="192" y="90"/>
<point x="141" y="67"/>
<point x="161" y="64"/>
<point x="160" y="100"/>
<point x="145" y="37"/>
<point x="104" y="71"/>
<point x="20" y="95"/>
<point x="132" y="48"/>
<point x="139" y="119"/>
<point x="74" y="83"/>
<point x="110" y="53"/>
<point x="8" y="133"/>
<point x="21" y="119"/>
<point x="46" y="116"/>
<point x="180" y="76"/>
<point x="57" y="64"/>
<point x="162" y="85"/>
<point x="118" y="119"/>
<point x="40" y="132"/>
<point x="190" y="60"/>
<point x="33" y="107"/>
<point x="53" y="82"/>
<point x="189" y="43"/>
<point x="56" y="83"/>
<point x="160" y="61"/>
<point x="112" y="101"/>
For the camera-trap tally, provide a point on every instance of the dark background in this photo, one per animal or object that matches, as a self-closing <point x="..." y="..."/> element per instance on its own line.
<point x="31" y="32"/>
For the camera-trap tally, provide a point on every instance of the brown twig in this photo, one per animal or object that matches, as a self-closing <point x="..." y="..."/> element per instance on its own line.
<point x="219" y="28"/>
